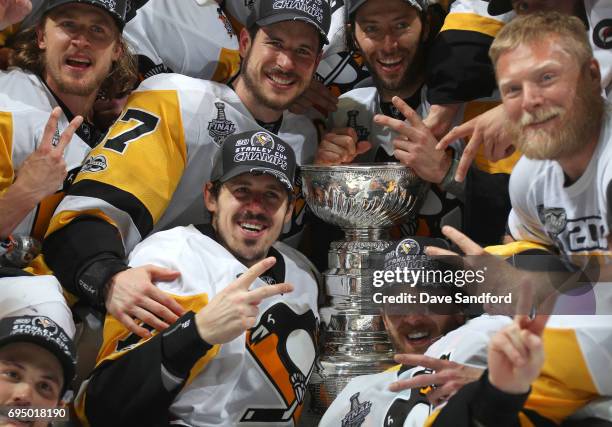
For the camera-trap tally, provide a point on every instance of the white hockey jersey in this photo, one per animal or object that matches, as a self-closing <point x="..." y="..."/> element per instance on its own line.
<point x="189" y="37"/>
<point x="367" y="401"/>
<point x="25" y="106"/>
<point x="156" y="158"/>
<point x="260" y="377"/>
<point x="575" y="218"/>
<point x="356" y="109"/>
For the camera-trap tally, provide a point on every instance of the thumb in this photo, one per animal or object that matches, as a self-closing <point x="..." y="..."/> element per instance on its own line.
<point x="362" y="147"/>
<point x="162" y="274"/>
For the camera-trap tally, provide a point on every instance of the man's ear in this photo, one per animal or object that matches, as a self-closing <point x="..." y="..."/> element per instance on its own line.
<point x="244" y="42"/>
<point x="117" y="50"/>
<point x="209" y="199"/>
<point x="40" y="36"/>
<point x="595" y="71"/>
<point x="289" y="213"/>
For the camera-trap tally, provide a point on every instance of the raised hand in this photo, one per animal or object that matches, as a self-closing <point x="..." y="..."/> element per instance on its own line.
<point x="43" y="172"/>
<point x="235" y="309"/>
<point x="447" y="376"/>
<point x="340" y="146"/>
<point x="416" y="146"/>
<point x="488" y="130"/>
<point x="516" y="354"/>
<point x="132" y="296"/>
<point x="317" y="95"/>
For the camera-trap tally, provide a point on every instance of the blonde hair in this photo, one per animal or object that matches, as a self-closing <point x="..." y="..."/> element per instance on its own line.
<point x="121" y="79"/>
<point x="533" y="28"/>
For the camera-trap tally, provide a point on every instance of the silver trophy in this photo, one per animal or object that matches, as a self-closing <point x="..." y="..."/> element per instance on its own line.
<point x="365" y="201"/>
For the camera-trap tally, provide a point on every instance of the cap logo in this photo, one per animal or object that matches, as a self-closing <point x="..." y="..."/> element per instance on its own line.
<point x="262" y="139"/>
<point x="110" y="4"/>
<point x="407" y="247"/>
<point x="313" y="8"/>
<point x="45" y="323"/>
<point x="263" y="149"/>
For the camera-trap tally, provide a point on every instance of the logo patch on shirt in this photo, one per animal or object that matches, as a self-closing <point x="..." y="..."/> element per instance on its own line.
<point x="602" y="34"/>
<point x="94" y="164"/>
<point x="362" y="132"/>
<point x="358" y="413"/>
<point x="219" y="128"/>
<point x="554" y="219"/>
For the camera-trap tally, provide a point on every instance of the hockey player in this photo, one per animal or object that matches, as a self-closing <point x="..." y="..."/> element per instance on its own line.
<point x="66" y="59"/>
<point x="437" y="348"/>
<point x="62" y="70"/>
<point x="391" y="38"/>
<point x="245" y="349"/>
<point x="161" y="150"/>
<point x="37" y="364"/>
<point x="550" y="86"/>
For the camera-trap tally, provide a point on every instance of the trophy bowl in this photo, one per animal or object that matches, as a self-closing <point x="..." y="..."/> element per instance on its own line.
<point x="362" y="196"/>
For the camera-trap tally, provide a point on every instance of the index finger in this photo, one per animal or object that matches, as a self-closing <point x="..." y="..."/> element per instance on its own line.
<point x="462" y="131"/>
<point x="248" y="277"/>
<point x="467" y="245"/>
<point x="422" y="360"/>
<point x="69" y="132"/>
<point x="413" y="118"/>
<point x="50" y="128"/>
<point x="259" y="294"/>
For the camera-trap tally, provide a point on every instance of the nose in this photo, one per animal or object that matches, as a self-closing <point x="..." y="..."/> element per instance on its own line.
<point x="22" y="394"/>
<point x="389" y="43"/>
<point x="532" y="97"/>
<point x="79" y="37"/>
<point x="285" y="60"/>
<point x="255" y="202"/>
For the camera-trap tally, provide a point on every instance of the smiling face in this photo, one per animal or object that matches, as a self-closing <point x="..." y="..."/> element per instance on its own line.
<point x="29" y="376"/>
<point x="549" y="98"/>
<point x="389" y="36"/>
<point x="414" y="333"/>
<point x="278" y="64"/>
<point x="248" y="214"/>
<point x="80" y="43"/>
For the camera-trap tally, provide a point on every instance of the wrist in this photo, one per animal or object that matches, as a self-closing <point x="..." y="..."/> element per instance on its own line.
<point x="447" y="168"/>
<point x="515" y="389"/>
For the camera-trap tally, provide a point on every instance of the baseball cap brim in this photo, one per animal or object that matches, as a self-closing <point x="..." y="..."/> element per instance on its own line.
<point x="239" y="170"/>
<point x="117" y="18"/>
<point x="354" y="5"/>
<point x="280" y="17"/>
<point x="68" y="364"/>
<point x="499" y="7"/>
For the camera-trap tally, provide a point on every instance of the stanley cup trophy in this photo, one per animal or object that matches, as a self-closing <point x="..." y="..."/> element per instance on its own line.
<point x="365" y="201"/>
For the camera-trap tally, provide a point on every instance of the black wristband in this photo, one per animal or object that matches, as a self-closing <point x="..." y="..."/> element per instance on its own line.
<point x="495" y="407"/>
<point x="94" y="277"/>
<point x="182" y="346"/>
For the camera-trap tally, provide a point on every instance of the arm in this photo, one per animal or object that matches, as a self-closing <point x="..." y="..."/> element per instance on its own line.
<point x="40" y="175"/>
<point x="107" y="211"/>
<point x="137" y="386"/>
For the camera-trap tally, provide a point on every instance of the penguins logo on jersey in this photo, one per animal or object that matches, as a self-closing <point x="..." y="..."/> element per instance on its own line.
<point x="407" y="247"/>
<point x="220" y="128"/>
<point x="263" y="139"/>
<point x="554" y="219"/>
<point x="283" y="345"/>
<point x="358" y="413"/>
<point x="362" y="132"/>
<point x="602" y="34"/>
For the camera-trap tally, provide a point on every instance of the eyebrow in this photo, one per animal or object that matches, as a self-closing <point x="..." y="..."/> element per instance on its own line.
<point x="50" y="377"/>
<point x="534" y="71"/>
<point x="12" y="362"/>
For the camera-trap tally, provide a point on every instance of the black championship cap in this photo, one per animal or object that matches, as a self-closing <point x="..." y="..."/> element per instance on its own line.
<point x="499" y="7"/>
<point x="120" y="10"/>
<point x="44" y="332"/>
<point x="410" y="253"/>
<point x="255" y="152"/>
<point x="420" y="5"/>
<point x="314" y="12"/>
